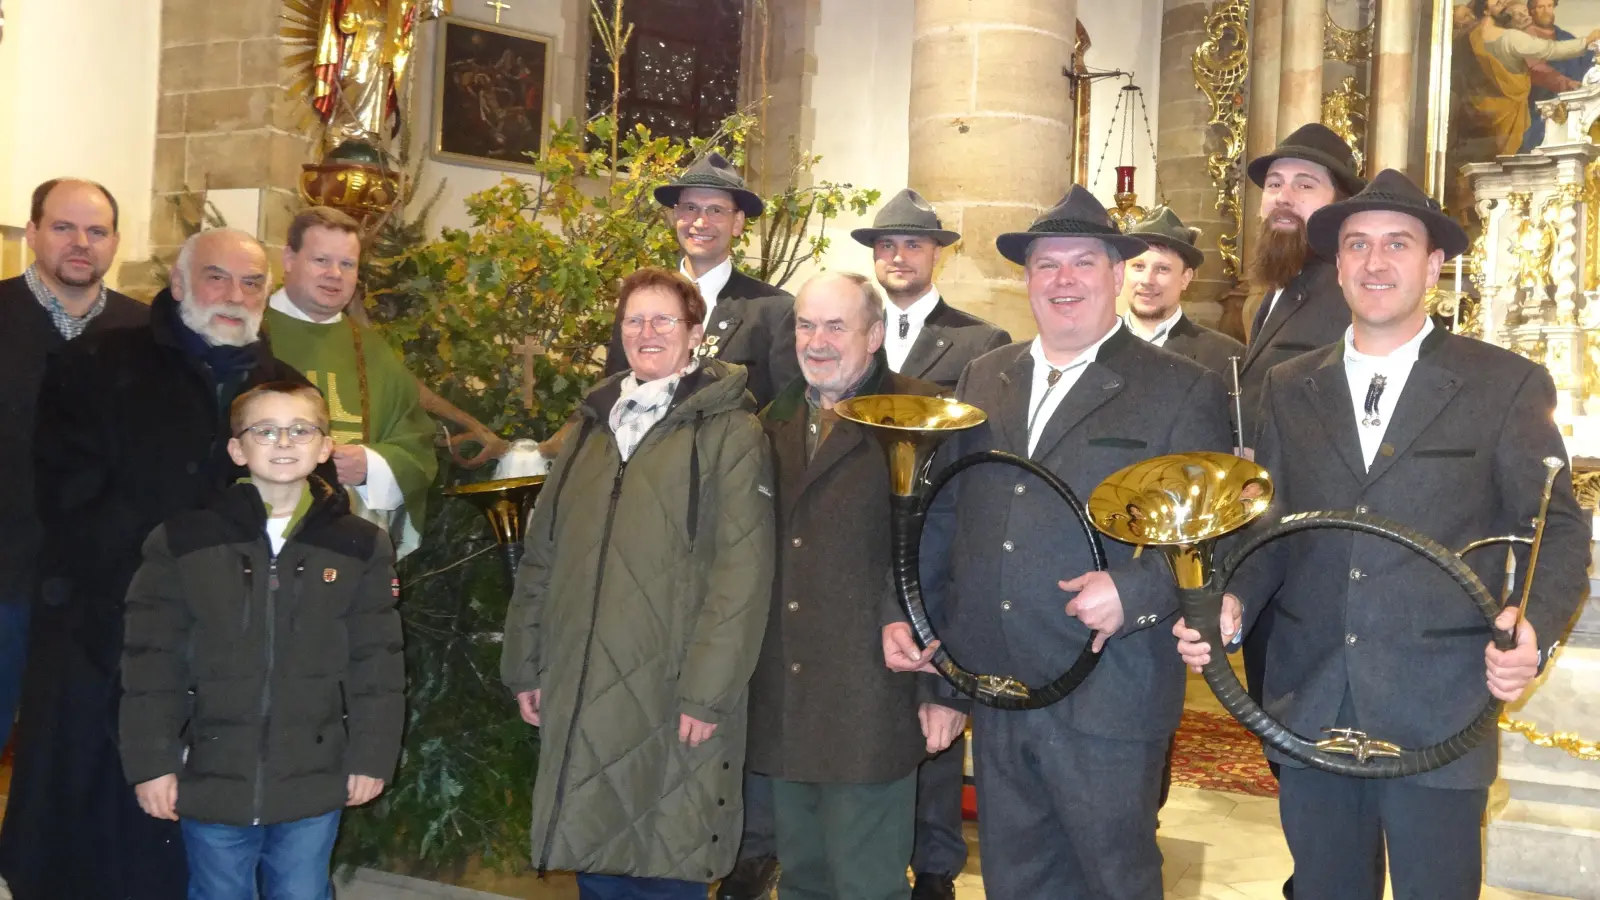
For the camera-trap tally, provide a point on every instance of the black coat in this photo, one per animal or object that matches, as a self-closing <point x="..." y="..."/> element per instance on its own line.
<point x="1365" y="622"/>
<point x="831" y="585"/>
<point x="27" y="336"/>
<point x="293" y="660"/>
<point x="1212" y="349"/>
<point x="949" y="339"/>
<point x="130" y="431"/>
<point x="997" y="540"/>
<point x="752" y="325"/>
<point x="1311" y="313"/>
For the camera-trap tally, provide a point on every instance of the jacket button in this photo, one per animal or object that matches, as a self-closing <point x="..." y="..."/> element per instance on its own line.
<point x="1021" y="489"/>
<point x="1357" y="574"/>
<point x="724" y="767"/>
<point x="795" y="668"/>
<point x="1362" y="509"/>
<point x="714" y="838"/>
<point x="192" y="468"/>
<point x="720" y="801"/>
<point x="1350" y="639"/>
<point x="1005" y="604"/>
<point x="796" y="542"/>
<point x="319" y="738"/>
<point x="1009" y="546"/>
<point x="793" y="605"/>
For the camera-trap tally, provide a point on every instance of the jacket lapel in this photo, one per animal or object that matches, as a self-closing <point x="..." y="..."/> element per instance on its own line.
<point x="1016" y="386"/>
<point x="1287" y="305"/>
<point x="789" y="446"/>
<point x="845" y="437"/>
<point x="1094" y="388"/>
<point x="721" y="327"/>
<point x="932" y="343"/>
<point x="1329" y="393"/>
<point x="1429" y="389"/>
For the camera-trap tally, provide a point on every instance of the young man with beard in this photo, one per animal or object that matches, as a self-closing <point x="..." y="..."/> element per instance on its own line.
<point x="132" y="428"/>
<point x="747" y="322"/>
<point x="927" y="338"/>
<point x="1069" y="792"/>
<point x="72" y="231"/>
<point x="924" y="336"/>
<point x="1447" y="436"/>
<point x="1154" y="282"/>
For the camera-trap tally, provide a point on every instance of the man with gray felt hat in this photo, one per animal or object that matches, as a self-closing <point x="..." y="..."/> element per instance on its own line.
<point x="1069" y="792"/>
<point x="924" y="336"/>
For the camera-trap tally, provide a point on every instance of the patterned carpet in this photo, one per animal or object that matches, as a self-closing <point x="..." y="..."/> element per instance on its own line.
<point x="1216" y="753"/>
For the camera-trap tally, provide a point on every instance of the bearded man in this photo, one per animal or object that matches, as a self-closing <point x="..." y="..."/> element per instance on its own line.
<point x="132" y="427"/>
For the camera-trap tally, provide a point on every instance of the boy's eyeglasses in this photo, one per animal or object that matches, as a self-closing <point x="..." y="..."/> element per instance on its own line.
<point x="267" y="435"/>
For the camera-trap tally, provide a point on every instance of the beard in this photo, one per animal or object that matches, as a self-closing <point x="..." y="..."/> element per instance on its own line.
<point x="61" y="273"/>
<point x="1280" y="253"/>
<point x="201" y="322"/>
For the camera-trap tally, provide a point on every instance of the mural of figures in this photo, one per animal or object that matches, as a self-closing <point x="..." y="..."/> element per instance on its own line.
<point x="491" y="90"/>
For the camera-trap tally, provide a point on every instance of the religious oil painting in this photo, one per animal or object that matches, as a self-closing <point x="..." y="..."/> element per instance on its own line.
<point x="1493" y="61"/>
<point x="491" y="94"/>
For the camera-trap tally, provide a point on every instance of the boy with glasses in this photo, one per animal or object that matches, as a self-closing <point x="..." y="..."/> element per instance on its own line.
<point x="263" y="677"/>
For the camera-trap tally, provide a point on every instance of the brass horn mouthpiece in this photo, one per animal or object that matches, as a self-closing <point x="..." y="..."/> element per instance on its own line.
<point x="1181" y="502"/>
<point x="910" y="428"/>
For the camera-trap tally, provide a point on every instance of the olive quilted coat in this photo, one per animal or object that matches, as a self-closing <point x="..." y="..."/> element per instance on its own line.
<point x="643" y="594"/>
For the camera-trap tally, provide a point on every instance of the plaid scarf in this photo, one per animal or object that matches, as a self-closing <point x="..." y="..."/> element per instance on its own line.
<point x="69" y="325"/>
<point x="641" y="406"/>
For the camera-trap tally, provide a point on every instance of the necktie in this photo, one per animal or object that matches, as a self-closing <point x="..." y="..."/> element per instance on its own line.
<point x="905" y="326"/>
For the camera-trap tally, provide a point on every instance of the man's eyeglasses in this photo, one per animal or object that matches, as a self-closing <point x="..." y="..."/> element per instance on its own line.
<point x="662" y="324"/>
<point x="267" y="435"/>
<point x="833" y="329"/>
<point x="712" y="212"/>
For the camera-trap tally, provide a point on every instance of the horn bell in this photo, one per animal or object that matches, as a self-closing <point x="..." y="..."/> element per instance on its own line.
<point x="910" y="429"/>
<point x="1181" y="503"/>
<point x="503" y="502"/>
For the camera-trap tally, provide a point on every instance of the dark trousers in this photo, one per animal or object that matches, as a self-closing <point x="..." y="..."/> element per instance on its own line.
<point x="13" y="655"/>
<point x="759" y="839"/>
<point x="844" y="841"/>
<point x="1337" y="829"/>
<point x="941" y="847"/>
<point x="1065" y="815"/>
<point x="623" y="887"/>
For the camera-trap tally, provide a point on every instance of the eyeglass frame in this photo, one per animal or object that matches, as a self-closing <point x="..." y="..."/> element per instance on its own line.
<point x="672" y="324"/>
<point x="690" y="211"/>
<point x="283" y="432"/>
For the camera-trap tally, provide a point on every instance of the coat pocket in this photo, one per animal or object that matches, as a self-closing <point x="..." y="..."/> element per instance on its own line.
<point x="1121" y="443"/>
<point x="1445" y="453"/>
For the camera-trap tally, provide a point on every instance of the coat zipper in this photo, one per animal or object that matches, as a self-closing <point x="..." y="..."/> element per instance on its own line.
<point x="266" y="689"/>
<point x="583" y="670"/>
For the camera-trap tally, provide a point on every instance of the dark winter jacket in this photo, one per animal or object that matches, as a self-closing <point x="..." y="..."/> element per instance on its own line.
<point x="262" y="681"/>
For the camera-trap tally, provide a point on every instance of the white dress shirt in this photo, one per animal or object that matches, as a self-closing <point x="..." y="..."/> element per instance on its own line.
<point x="1359" y="369"/>
<point x="916" y="315"/>
<point x="1044" y="399"/>
<point x="1159" y="336"/>
<point x="382" y="491"/>
<point x="1272" y="303"/>
<point x="711" y="283"/>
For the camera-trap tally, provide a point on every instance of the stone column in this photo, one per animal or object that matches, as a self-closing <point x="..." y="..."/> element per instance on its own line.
<point x="225" y="120"/>
<point x="1393" y="85"/>
<point x="1261" y="126"/>
<point x="1300" y="88"/>
<point x="990" y="114"/>
<point x="1183" y="142"/>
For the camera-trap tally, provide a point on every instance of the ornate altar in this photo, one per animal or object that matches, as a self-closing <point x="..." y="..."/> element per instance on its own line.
<point x="1531" y="282"/>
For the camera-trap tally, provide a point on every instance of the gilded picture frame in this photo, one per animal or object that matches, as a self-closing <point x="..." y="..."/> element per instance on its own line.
<point x="491" y="94"/>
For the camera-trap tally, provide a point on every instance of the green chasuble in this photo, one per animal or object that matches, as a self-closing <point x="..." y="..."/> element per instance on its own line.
<point x="401" y="431"/>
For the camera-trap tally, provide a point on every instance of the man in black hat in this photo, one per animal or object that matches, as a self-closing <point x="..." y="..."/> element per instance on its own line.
<point x="1445" y="435"/>
<point x="924" y="336"/>
<point x="927" y="338"/>
<point x="747" y="321"/>
<point x="1154" y="282"/>
<point x="1068" y="792"/>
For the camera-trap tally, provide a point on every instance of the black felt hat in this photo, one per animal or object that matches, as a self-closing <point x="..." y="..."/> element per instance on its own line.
<point x="714" y="172"/>
<point x="906" y="213"/>
<point x="1163" y="228"/>
<point x="1315" y="143"/>
<point x="1078" y="214"/>
<point x="1393" y="192"/>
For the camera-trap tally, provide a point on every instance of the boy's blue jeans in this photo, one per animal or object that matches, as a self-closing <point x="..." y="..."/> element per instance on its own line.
<point x="293" y="858"/>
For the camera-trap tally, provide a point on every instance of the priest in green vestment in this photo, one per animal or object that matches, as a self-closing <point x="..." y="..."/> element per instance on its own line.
<point x="383" y="438"/>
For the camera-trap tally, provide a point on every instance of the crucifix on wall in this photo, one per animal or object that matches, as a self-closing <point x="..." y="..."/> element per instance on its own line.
<point x="498" y="8"/>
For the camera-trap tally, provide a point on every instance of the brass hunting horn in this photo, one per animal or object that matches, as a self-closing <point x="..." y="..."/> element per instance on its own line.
<point x="910" y="429"/>
<point x="505" y="502"/>
<point x="1182" y="503"/>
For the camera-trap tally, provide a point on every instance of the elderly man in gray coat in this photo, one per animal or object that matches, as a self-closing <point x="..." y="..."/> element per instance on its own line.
<point x="1446" y="435"/>
<point x="1068" y="792"/>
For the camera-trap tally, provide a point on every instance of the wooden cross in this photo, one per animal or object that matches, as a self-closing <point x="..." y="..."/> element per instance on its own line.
<point x="529" y="350"/>
<point x="498" y="8"/>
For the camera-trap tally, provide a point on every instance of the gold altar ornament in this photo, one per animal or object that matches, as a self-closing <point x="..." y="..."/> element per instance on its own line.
<point x="1344" y="111"/>
<point x="1221" y="64"/>
<point x="352" y="179"/>
<point x="1565" y="741"/>
<point x="1346" y="45"/>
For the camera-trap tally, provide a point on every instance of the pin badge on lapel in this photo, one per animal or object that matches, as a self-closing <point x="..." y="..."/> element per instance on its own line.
<point x="710" y="347"/>
<point x="330" y="575"/>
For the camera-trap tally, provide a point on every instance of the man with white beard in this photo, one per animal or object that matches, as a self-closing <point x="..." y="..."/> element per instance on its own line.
<point x="132" y="428"/>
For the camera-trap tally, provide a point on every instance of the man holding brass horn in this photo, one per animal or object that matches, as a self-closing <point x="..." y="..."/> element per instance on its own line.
<point x="1069" y="791"/>
<point x="1445" y="435"/>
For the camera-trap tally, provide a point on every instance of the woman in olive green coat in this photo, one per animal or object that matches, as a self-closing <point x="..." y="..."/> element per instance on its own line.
<point x="639" y="610"/>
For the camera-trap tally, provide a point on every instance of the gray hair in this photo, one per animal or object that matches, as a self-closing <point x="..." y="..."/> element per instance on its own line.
<point x="185" y="259"/>
<point x="871" y="298"/>
<point x="1112" y="253"/>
